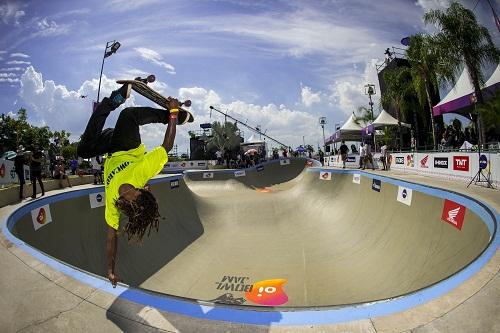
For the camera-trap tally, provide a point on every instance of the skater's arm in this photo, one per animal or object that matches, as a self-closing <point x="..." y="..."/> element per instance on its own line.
<point x="168" y="140"/>
<point x="111" y="241"/>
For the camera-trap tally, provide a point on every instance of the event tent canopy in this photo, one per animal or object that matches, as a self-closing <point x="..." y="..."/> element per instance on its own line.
<point x="461" y="97"/>
<point x="383" y="119"/>
<point x="350" y="131"/>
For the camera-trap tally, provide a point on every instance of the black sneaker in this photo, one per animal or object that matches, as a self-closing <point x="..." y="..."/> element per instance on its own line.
<point x="119" y="96"/>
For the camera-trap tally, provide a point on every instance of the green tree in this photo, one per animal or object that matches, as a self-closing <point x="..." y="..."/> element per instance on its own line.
<point x="463" y="41"/>
<point x="423" y="57"/>
<point x="224" y="136"/>
<point x="400" y="94"/>
<point x="364" y="115"/>
<point x="490" y="113"/>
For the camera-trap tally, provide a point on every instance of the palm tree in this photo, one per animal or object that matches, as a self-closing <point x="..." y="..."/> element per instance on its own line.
<point x="463" y="41"/>
<point x="423" y="57"/>
<point x="400" y="94"/>
<point x="224" y="136"/>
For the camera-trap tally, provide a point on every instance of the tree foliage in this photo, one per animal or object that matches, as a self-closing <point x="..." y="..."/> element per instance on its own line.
<point x="224" y="136"/>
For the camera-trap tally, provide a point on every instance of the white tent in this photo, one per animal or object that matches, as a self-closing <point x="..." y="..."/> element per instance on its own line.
<point x="494" y="78"/>
<point x="385" y="119"/>
<point x="252" y="141"/>
<point x="350" y="131"/>
<point x="460" y="98"/>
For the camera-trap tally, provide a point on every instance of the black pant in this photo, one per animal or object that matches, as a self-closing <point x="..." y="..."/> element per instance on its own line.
<point x="36" y="175"/>
<point x="125" y="136"/>
<point x="20" y="175"/>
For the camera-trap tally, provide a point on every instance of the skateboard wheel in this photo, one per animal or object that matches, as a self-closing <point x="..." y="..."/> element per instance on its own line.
<point x="187" y="103"/>
<point x="151" y="78"/>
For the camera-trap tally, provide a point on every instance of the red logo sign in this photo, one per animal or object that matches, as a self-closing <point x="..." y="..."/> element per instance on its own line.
<point x="42" y="217"/>
<point x="423" y="162"/>
<point x="461" y="163"/>
<point x="2" y="171"/>
<point x="453" y="213"/>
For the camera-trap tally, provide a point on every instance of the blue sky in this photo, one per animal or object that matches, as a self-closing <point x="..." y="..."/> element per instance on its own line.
<point x="278" y="64"/>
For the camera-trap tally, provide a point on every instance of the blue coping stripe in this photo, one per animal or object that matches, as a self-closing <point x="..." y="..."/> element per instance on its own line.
<point x="271" y="316"/>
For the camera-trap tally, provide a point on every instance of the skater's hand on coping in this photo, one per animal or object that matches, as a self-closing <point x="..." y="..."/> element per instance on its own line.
<point x="113" y="278"/>
<point x="173" y="103"/>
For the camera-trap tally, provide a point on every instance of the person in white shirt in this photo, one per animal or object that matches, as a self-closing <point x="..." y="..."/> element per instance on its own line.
<point x="362" y="154"/>
<point x="368" y="155"/>
<point x="96" y="169"/>
<point x="383" y="157"/>
<point x="218" y="154"/>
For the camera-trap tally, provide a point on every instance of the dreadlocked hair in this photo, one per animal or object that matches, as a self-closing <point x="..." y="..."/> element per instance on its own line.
<point x="142" y="214"/>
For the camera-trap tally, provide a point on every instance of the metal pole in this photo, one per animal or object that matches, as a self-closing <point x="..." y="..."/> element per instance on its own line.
<point x="102" y="67"/>
<point x="248" y="126"/>
<point x="304" y="140"/>
<point x="324" y="140"/>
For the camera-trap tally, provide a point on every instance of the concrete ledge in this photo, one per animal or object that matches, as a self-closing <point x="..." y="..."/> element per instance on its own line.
<point x="10" y="195"/>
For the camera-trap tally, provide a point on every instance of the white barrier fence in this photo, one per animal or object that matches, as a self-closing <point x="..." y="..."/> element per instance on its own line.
<point x="451" y="165"/>
<point x="8" y="173"/>
<point x="186" y="165"/>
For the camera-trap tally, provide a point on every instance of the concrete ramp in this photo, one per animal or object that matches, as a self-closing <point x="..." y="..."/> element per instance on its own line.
<point x="322" y="237"/>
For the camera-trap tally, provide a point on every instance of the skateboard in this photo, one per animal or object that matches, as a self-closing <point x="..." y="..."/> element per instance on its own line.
<point x="140" y="85"/>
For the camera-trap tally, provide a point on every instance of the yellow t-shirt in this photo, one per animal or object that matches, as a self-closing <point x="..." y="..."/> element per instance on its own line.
<point x="132" y="167"/>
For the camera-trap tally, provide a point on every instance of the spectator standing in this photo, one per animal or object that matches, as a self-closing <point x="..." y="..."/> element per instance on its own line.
<point x="19" y="167"/>
<point x="343" y="153"/>
<point x="383" y="157"/>
<point x="362" y="154"/>
<point x="36" y="170"/>
<point x="96" y="170"/>
<point x="368" y="156"/>
<point x="74" y="165"/>
<point x="218" y="155"/>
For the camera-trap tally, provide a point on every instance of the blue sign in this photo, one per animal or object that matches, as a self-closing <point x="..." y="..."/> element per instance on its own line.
<point x="483" y="162"/>
<point x="98" y="198"/>
<point x="260" y="168"/>
<point x="174" y="183"/>
<point x="376" y="185"/>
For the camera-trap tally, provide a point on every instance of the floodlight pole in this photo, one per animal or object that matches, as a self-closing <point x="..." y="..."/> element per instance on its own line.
<point x="106" y="54"/>
<point x="322" y="122"/>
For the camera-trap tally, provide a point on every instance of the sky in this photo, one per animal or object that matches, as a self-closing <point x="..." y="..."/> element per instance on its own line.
<point x="277" y="64"/>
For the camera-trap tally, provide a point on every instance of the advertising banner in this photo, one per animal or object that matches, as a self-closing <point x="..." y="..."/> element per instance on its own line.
<point x="325" y="175"/>
<point x="97" y="199"/>
<point x="404" y="195"/>
<point x="41" y="217"/>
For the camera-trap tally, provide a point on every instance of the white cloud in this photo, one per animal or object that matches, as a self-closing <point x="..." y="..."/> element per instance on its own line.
<point x="48" y="27"/>
<point x="10" y="69"/>
<point x="11" y="13"/>
<point x="126" y="5"/>
<point x="3" y="52"/>
<point x="348" y="94"/>
<point x="19" y="55"/>
<point x="309" y="97"/>
<point x="8" y="79"/>
<point x="433" y="4"/>
<point x="8" y="74"/>
<point x="18" y="62"/>
<point x="155" y="58"/>
<point x="61" y="108"/>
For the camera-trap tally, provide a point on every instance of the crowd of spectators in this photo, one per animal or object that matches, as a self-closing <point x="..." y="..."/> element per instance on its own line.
<point x="453" y="137"/>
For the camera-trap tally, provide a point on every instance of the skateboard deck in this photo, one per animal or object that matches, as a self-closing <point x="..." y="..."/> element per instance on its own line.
<point x="143" y="89"/>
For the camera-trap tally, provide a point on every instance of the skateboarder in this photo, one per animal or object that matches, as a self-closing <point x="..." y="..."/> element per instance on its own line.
<point x="127" y="168"/>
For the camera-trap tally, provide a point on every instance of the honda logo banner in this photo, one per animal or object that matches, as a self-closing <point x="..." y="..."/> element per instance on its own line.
<point x="423" y="162"/>
<point x="453" y="213"/>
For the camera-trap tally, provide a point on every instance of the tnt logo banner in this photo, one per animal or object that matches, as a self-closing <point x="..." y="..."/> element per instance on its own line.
<point x="268" y="292"/>
<point x="404" y="195"/>
<point x="325" y="175"/>
<point x="208" y="175"/>
<point x="240" y="173"/>
<point x="285" y="162"/>
<point x="453" y="213"/>
<point x="356" y="178"/>
<point x="41" y="216"/>
<point x="97" y="199"/>
<point x="461" y="163"/>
